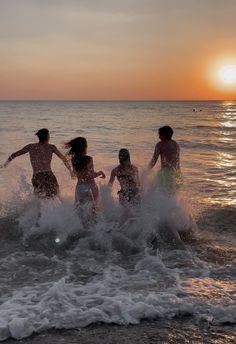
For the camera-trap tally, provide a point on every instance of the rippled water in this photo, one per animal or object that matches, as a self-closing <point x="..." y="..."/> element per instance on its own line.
<point x="109" y="272"/>
<point x="207" y="137"/>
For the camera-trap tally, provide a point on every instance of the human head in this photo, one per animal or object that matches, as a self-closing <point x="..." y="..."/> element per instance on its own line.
<point x="43" y="135"/>
<point x="166" y="132"/>
<point x="124" y="156"/>
<point x="77" y="146"/>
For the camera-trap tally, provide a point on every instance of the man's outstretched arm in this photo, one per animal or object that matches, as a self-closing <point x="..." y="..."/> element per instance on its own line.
<point x="22" y="151"/>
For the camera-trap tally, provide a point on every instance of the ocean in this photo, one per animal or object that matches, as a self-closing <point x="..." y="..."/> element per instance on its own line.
<point x="58" y="273"/>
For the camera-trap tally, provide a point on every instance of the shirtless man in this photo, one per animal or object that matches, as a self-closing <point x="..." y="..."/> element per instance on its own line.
<point x="44" y="181"/>
<point x="169" y="176"/>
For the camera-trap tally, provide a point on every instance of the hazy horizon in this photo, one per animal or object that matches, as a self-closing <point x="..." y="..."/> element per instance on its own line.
<point x="118" y="100"/>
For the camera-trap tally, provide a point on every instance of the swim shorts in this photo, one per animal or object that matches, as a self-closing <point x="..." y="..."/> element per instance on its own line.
<point x="169" y="179"/>
<point x="129" y="196"/>
<point x="45" y="185"/>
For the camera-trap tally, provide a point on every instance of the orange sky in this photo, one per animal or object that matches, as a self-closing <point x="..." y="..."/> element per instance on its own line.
<point x="126" y="49"/>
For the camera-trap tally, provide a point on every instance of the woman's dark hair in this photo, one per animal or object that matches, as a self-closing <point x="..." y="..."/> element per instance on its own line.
<point x="77" y="150"/>
<point x="166" y="131"/>
<point x="124" y="156"/>
<point x="42" y="134"/>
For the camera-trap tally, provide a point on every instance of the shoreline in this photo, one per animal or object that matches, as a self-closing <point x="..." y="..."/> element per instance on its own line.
<point x="181" y="330"/>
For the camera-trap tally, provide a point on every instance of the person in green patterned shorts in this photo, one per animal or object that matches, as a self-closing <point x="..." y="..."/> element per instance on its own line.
<point x="169" y="177"/>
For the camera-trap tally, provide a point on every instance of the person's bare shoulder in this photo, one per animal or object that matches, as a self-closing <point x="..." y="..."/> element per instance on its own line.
<point x="135" y="168"/>
<point x="88" y="158"/>
<point x="176" y="144"/>
<point x="116" y="169"/>
<point x="159" y="146"/>
<point x="51" y="146"/>
<point x="88" y="161"/>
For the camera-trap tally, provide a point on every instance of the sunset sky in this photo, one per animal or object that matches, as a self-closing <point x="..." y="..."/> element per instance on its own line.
<point x="117" y="49"/>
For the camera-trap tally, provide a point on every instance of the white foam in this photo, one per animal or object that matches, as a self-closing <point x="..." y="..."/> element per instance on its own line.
<point x="117" y="296"/>
<point x="110" y="275"/>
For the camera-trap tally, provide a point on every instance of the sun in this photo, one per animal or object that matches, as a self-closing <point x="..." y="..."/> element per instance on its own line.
<point x="221" y="74"/>
<point x="227" y="74"/>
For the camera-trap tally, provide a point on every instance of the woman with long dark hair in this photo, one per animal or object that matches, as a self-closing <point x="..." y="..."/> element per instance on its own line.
<point x="86" y="188"/>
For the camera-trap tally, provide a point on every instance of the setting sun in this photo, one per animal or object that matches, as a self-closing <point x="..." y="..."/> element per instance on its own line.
<point x="227" y="74"/>
<point x="222" y="75"/>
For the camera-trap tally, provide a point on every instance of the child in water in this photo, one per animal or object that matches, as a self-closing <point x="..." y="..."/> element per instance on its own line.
<point x="86" y="188"/>
<point x="169" y="176"/>
<point x="128" y="177"/>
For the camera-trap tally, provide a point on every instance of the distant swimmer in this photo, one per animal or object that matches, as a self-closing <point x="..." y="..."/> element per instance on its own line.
<point x="169" y="176"/>
<point x="44" y="181"/>
<point x="86" y="188"/>
<point x="128" y="177"/>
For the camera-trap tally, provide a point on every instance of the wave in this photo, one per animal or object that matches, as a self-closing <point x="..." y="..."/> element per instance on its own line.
<point x="58" y="272"/>
<point x="150" y="291"/>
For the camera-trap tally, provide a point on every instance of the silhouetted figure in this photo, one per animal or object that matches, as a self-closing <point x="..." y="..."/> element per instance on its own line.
<point x="128" y="177"/>
<point x="44" y="181"/>
<point x="86" y="188"/>
<point x="169" y="176"/>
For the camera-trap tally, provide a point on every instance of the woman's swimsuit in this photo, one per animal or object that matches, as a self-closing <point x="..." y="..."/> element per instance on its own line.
<point x="129" y="194"/>
<point x="84" y="193"/>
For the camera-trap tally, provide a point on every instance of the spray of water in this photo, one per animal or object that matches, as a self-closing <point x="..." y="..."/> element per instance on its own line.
<point x="124" y="266"/>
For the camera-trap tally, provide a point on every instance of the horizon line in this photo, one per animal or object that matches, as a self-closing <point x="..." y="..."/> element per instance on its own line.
<point x="115" y="100"/>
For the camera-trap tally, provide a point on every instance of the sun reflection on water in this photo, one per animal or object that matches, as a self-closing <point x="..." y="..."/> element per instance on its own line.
<point x="222" y="174"/>
<point x="210" y="288"/>
<point x="225" y="159"/>
<point x="228" y="124"/>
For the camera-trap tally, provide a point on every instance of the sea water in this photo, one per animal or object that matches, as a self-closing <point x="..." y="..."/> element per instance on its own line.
<point x="58" y="272"/>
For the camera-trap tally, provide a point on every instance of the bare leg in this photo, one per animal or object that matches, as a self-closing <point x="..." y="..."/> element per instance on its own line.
<point x="95" y="194"/>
